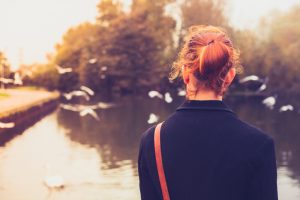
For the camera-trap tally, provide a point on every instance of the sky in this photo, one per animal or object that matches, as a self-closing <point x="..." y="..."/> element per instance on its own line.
<point x="31" y="28"/>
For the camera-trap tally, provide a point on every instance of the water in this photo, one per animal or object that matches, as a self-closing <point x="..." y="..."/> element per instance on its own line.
<point x="98" y="159"/>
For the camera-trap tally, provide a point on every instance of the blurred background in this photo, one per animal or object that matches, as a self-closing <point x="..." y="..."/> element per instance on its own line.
<point x="81" y="80"/>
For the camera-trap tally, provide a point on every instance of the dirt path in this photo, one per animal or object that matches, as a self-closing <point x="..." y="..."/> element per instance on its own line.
<point x="19" y="100"/>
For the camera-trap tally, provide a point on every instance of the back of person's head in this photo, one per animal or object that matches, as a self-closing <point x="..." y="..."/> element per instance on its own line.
<point x="208" y="54"/>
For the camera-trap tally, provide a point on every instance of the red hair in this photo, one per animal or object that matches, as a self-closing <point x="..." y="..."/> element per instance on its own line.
<point x="208" y="53"/>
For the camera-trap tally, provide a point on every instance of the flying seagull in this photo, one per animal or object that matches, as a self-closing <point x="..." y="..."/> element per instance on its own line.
<point x="62" y="70"/>
<point x="77" y="93"/>
<point x="288" y="107"/>
<point x="269" y="102"/>
<point x="89" y="111"/>
<point x="153" y="118"/>
<point x="168" y="97"/>
<point x="87" y="90"/>
<point x="249" y="78"/>
<point x="154" y="93"/>
<point x="93" y="60"/>
<point x="5" y="125"/>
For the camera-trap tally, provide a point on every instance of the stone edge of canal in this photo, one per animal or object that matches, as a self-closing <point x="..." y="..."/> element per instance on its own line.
<point x="25" y="116"/>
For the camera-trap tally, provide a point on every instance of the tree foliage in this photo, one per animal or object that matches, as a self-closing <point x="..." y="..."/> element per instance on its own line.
<point x="42" y="75"/>
<point x="272" y="51"/>
<point x="205" y="12"/>
<point x="132" y="51"/>
<point x="4" y="66"/>
<point x="125" y="52"/>
<point x="282" y="52"/>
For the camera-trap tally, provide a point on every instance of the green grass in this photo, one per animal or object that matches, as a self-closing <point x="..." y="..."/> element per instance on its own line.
<point x="32" y="88"/>
<point x="4" y="95"/>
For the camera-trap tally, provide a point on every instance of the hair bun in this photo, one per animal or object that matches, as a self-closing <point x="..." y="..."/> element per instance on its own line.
<point x="211" y="42"/>
<point x="208" y="63"/>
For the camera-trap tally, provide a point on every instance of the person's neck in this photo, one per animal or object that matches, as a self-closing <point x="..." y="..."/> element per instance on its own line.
<point x="206" y="95"/>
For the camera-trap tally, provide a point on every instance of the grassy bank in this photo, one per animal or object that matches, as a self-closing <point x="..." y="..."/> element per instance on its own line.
<point x="4" y="95"/>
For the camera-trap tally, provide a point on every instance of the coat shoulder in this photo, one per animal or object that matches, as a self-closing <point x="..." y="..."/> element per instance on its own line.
<point x="254" y="137"/>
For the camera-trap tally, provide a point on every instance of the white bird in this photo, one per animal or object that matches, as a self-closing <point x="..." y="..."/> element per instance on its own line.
<point x="70" y="107"/>
<point x="62" y="70"/>
<point x="87" y="90"/>
<point x="89" y="111"/>
<point x="83" y="110"/>
<point x="269" y="102"/>
<point x="154" y="93"/>
<point x="288" y="107"/>
<point x="104" y="68"/>
<point x="77" y="93"/>
<point x="153" y="118"/>
<point x="249" y="78"/>
<point x="168" y="97"/>
<point x="78" y="108"/>
<point x="17" y="79"/>
<point x="262" y="87"/>
<point x="68" y="96"/>
<point x="181" y="93"/>
<point x="103" y="105"/>
<point x="53" y="181"/>
<point x="4" y="125"/>
<point x="93" y="60"/>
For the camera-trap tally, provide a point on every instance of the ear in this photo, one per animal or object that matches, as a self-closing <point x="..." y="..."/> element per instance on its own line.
<point x="186" y="77"/>
<point x="230" y="76"/>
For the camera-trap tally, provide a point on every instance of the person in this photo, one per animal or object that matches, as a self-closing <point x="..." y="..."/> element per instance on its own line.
<point x="207" y="152"/>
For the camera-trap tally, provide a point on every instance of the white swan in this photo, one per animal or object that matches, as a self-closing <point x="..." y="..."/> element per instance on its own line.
<point x="56" y="182"/>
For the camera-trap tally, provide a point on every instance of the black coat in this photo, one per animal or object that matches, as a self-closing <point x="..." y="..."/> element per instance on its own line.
<point x="209" y="154"/>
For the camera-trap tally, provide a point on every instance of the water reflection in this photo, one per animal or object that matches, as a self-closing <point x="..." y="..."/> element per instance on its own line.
<point x="98" y="159"/>
<point x="116" y="136"/>
<point x="284" y="128"/>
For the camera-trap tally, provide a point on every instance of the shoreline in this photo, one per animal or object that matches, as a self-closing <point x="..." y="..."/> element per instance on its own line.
<point x="23" y="108"/>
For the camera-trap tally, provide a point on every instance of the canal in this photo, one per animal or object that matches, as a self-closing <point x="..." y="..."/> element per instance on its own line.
<point x="98" y="159"/>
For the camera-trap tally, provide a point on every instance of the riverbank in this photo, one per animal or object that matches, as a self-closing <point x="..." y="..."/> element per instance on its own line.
<point x="19" y="100"/>
<point x="22" y="108"/>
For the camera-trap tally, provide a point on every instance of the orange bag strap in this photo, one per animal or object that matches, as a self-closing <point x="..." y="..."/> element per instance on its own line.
<point x="159" y="163"/>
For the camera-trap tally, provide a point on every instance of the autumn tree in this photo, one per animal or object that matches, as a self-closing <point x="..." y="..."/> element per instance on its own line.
<point x="42" y="75"/>
<point x="4" y="66"/>
<point x="202" y="12"/>
<point x="73" y="53"/>
<point x="282" y="47"/>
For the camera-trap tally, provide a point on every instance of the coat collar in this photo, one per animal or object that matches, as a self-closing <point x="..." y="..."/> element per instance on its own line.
<point x="204" y="105"/>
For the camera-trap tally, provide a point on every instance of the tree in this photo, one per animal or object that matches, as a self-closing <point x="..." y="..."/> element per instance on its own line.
<point x="4" y="66"/>
<point x="134" y="48"/>
<point x="252" y="52"/>
<point x="41" y="75"/>
<point x="125" y="52"/>
<point x="202" y="12"/>
<point x="73" y="53"/>
<point x="109" y="11"/>
<point x="282" y="52"/>
<point x="205" y="12"/>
